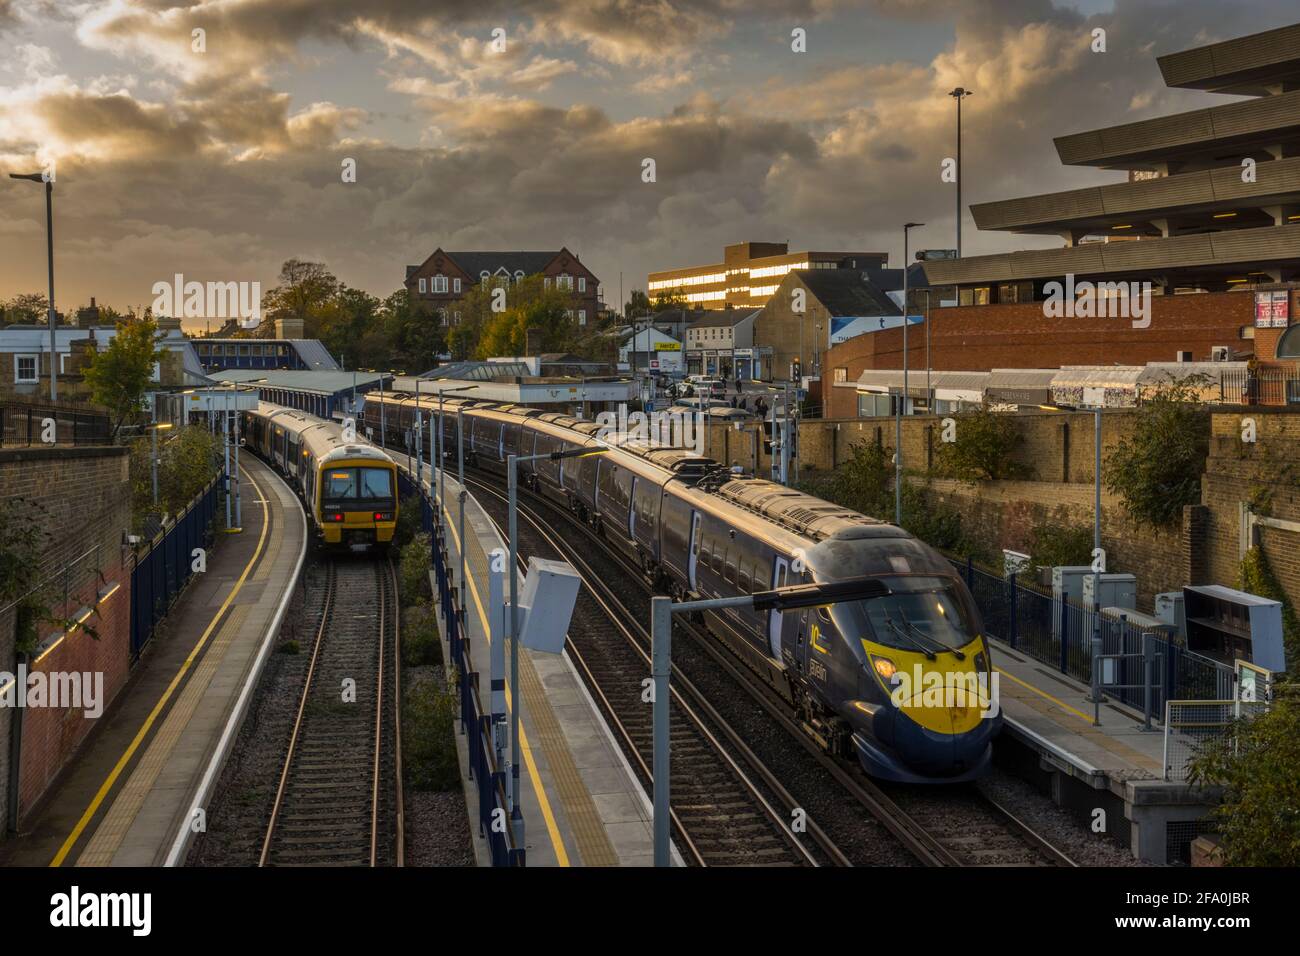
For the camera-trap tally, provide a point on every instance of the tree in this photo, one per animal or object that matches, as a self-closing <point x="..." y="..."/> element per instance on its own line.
<point x="413" y="338"/>
<point x="26" y="308"/>
<point x="119" y="375"/>
<point x="982" y="451"/>
<point x="670" y="299"/>
<point x="1255" y="762"/>
<point x="304" y="290"/>
<point x="187" y="462"/>
<point x="1157" y="469"/>
<point x="530" y="305"/>
<point x="637" y="304"/>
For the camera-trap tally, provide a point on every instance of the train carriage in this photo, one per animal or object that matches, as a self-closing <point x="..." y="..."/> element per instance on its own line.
<point x="853" y="670"/>
<point x="348" y="485"/>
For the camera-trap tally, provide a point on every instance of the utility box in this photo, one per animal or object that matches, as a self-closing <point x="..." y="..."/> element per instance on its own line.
<point x="546" y="604"/>
<point x="1067" y="587"/>
<point x="1117" y="590"/>
<point x="1169" y="608"/>
<point x="1143" y="623"/>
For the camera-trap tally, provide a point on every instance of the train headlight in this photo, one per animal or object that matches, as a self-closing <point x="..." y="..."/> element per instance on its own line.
<point x="884" y="667"/>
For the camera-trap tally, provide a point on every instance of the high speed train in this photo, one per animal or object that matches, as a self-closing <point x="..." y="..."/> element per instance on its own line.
<point x="349" y="487"/>
<point x="861" y="674"/>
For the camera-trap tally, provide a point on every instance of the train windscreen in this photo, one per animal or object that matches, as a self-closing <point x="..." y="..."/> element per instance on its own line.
<point x="344" y="485"/>
<point x="921" y="613"/>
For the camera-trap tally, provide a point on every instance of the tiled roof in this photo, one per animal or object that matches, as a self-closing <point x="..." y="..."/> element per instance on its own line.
<point x="847" y="292"/>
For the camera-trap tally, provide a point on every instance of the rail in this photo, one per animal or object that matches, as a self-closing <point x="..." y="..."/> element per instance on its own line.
<point x="23" y="424"/>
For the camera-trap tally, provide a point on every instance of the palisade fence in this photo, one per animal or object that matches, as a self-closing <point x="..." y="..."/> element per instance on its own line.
<point x="1265" y="386"/>
<point x="475" y="719"/>
<point x="163" y="566"/>
<point x="1059" y="633"/>
<point x="23" y="423"/>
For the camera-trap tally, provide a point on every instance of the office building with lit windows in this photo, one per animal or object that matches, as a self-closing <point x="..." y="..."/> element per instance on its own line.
<point x="749" y="273"/>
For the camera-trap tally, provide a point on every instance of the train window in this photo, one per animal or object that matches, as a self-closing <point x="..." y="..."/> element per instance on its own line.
<point x="366" y="484"/>
<point x="743" y="580"/>
<point x="704" y="549"/>
<point x="717" y="559"/>
<point x="731" y="566"/>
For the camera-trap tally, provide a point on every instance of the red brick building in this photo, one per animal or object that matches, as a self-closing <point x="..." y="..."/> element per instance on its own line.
<point x="442" y="280"/>
<point x="1018" y="335"/>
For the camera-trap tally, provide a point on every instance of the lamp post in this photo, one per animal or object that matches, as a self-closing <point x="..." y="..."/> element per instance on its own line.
<point x="898" y="412"/>
<point x="959" y="94"/>
<point x="48" y="179"/>
<point x="929" y="394"/>
<point x="239" y="510"/>
<point x="512" y="569"/>
<point x="438" y="448"/>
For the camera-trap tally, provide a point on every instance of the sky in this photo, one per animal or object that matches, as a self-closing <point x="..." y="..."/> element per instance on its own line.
<point x="485" y="124"/>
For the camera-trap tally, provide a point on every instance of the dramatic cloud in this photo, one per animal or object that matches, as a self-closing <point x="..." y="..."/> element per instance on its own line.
<point x="223" y="163"/>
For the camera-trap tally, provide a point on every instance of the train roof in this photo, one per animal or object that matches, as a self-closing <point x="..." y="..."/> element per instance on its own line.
<point x="796" y="511"/>
<point x="324" y="439"/>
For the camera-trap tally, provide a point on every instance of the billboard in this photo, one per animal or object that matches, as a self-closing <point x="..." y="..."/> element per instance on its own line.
<point x="1272" y="309"/>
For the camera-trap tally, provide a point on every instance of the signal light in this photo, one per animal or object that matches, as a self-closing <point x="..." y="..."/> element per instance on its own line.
<point x="383" y="516"/>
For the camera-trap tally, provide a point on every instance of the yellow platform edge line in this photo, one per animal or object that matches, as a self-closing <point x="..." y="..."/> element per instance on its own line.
<point x="143" y="732"/>
<point x="1042" y="693"/>
<point x="561" y="855"/>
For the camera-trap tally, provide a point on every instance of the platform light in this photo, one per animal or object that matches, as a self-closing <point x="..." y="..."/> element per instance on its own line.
<point x="1224" y="215"/>
<point x="1126" y="225"/>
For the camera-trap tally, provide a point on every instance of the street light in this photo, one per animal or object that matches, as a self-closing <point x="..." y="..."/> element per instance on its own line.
<point x="898" y="412"/>
<point x="959" y="94"/>
<point x="661" y="630"/>
<point x="516" y="815"/>
<point x="48" y="179"/>
<point x="233" y="387"/>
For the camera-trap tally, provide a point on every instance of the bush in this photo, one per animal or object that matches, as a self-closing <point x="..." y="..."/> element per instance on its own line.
<point x="408" y="521"/>
<point x="420" y="640"/>
<point x="983" y="449"/>
<point x="1158" y="468"/>
<point x="429" y="719"/>
<point x="1256" y="764"/>
<point x="187" y="462"/>
<point x="413" y="571"/>
<point x="1053" y="544"/>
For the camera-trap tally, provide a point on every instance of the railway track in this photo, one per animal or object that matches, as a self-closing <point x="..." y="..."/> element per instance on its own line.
<point x="728" y="809"/>
<point x="957" y="826"/>
<point x="339" y="799"/>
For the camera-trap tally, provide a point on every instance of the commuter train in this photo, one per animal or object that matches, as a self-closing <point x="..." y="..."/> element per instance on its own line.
<point x="349" y="487"/>
<point x="900" y="680"/>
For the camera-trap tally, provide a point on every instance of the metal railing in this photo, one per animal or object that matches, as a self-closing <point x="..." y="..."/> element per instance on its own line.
<point x="475" y="719"/>
<point x="163" y="566"/>
<point x="1059" y="633"/>
<point x="1265" y="386"/>
<point x="26" y="423"/>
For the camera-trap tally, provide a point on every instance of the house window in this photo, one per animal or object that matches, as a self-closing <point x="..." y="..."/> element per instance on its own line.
<point x="547" y="282"/>
<point x="841" y="374"/>
<point x="439" y="283"/>
<point x="519" y="276"/>
<point x="424" y="285"/>
<point x="564" y="281"/>
<point x="25" y="369"/>
<point x="442" y="316"/>
<point x="568" y="314"/>
<point x="582" y="316"/>
<point x="582" y="283"/>
<point x="458" y="318"/>
<point x="455" y="284"/>
<point x="483" y="276"/>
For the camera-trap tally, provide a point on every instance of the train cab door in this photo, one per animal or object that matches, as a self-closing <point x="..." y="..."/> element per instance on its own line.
<point x="775" y="618"/>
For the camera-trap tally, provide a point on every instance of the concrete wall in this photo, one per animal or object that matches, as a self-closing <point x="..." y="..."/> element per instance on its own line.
<point x="80" y="497"/>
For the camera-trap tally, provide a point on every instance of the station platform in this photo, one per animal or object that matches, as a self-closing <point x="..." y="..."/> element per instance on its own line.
<point x="581" y="802"/>
<point x="129" y="796"/>
<point x="1114" y="765"/>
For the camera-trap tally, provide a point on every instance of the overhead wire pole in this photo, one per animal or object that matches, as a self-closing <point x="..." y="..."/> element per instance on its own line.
<point x="959" y="94"/>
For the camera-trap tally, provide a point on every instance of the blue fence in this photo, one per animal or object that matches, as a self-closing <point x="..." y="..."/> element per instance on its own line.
<point x="475" y="719"/>
<point x="165" y="565"/>
<point x="1060" y="633"/>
